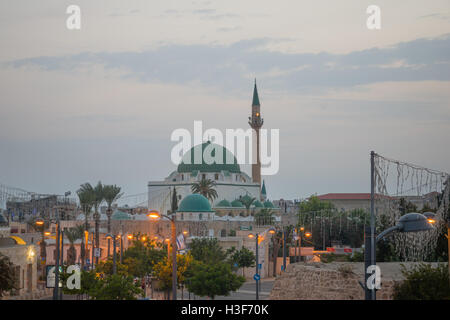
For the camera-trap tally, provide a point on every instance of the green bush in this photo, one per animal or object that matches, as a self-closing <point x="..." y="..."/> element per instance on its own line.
<point x="424" y="282"/>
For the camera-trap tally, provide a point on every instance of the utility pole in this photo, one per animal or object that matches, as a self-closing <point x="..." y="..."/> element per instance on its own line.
<point x="56" y="287"/>
<point x="62" y="261"/>
<point x="284" y="249"/>
<point x="370" y="244"/>
<point x="257" y="262"/>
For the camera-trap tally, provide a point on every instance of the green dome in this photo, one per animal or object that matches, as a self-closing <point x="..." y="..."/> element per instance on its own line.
<point x="258" y="204"/>
<point x="187" y="162"/>
<point x="194" y="203"/>
<point x="120" y="215"/>
<point x="268" y="204"/>
<point x="224" y="203"/>
<point x="246" y="198"/>
<point x="237" y="204"/>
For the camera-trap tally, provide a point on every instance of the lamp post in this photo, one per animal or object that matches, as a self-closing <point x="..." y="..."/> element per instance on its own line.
<point x="153" y="214"/>
<point x="112" y="237"/>
<point x="257" y="275"/>
<point x="410" y="222"/>
<point x="62" y="261"/>
<point x="58" y="234"/>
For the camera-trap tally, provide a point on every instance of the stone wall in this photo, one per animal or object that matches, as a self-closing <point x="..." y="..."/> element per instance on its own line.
<point x="332" y="281"/>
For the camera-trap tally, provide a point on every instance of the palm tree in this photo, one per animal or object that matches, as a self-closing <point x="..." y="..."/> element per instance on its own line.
<point x="264" y="217"/>
<point x="247" y="201"/>
<point x="97" y="198"/>
<point x="111" y="193"/>
<point x="73" y="234"/>
<point x="86" y="198"/>
<point x="205" y="187"/>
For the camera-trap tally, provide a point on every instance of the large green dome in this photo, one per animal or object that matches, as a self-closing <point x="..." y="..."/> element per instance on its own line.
<point x="194" y="203"/>
<point x="187" y="162"/>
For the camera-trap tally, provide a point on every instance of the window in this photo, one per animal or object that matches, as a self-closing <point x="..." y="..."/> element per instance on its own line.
<point x="216" y="176"/>
<point x="200" y="216"/>
<point x="181" y="216"/>
<point x="182" y="177"/>
<point x="203" y="176"/>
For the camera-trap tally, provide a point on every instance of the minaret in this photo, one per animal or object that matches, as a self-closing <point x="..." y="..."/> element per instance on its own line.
<point x="256" y="122"/>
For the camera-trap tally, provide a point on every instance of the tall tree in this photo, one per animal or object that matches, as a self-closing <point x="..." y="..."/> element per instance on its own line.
<point x="73" y="234"/>
<point x="111" y="193"/>
<point x="97" y="198"/>
<point x="213" y="279"/>
<point x="247" y="201"/>
<point x="244" y="258"/>
<point x="264" y="217"/>
<point x="86" y="198"/>
<point x="205" y="187"/>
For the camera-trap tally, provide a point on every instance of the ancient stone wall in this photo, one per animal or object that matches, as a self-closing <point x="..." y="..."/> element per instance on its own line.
<point x="331" y="281"/>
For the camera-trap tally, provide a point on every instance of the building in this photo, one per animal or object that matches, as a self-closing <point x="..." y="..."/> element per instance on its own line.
<point x="351" y="201"/>
<point x="232" y="184"/>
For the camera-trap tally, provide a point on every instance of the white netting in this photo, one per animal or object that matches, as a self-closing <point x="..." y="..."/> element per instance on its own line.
<point x="419" y="186"/>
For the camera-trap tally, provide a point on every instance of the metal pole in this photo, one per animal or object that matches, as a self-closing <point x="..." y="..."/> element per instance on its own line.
<point x="257" y="261"/>
<point x="55" y="289"/>
<point x="121" y="248"/>
<point x="284" y="250"/>
<point x="367" y="253"/>
<point x="62" y="261"/>
<point x="92" y="247"/>
<point x="174" y="260"/>
<point x="114" y="255"/>
<point x="448" y="239"/>
<point x="372" y="217"/>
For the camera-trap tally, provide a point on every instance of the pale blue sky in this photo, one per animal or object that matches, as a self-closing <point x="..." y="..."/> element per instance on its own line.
<point x="100" y="103"/>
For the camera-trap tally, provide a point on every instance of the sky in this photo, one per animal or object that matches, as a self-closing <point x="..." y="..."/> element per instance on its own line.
<point x="100" y="103"/>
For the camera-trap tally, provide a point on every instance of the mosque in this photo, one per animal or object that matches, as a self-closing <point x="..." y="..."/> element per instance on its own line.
<point x="233" y="186"/>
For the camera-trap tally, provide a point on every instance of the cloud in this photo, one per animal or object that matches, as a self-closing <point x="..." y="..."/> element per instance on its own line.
<point x="231" y="67"/>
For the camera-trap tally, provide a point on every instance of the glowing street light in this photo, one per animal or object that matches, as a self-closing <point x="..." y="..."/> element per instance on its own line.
<point x="308" y="234"/>
<point x="39" y="222"/>
<point x="153" y="214"/>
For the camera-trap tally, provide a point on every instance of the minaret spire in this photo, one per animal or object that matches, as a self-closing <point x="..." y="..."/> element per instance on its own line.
<point x="256" y="122"/>
<point x="255" y="96"/>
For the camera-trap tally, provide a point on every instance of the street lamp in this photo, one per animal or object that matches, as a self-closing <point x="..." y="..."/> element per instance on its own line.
<point x="110" y="236"/>
<point x="410" y="222"/>
<point x="257" y="275"/>
<point x="153" y="214"/>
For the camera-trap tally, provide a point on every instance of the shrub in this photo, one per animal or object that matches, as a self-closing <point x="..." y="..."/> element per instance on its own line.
<point x="424" y="282"/>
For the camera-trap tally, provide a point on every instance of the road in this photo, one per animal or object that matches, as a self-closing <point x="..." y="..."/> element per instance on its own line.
<point x="246" y="292"/>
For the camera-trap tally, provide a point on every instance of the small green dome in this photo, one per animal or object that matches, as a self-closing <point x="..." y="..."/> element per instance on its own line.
<point x="187" y="162"/>
<point x="268" y="204"/>
<point x="258" y="204"/>
<point x="224" y="203"/>
<point x="194" y="203"/>
<point x="237" y="204"/>
<point x="120" y="215"/>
